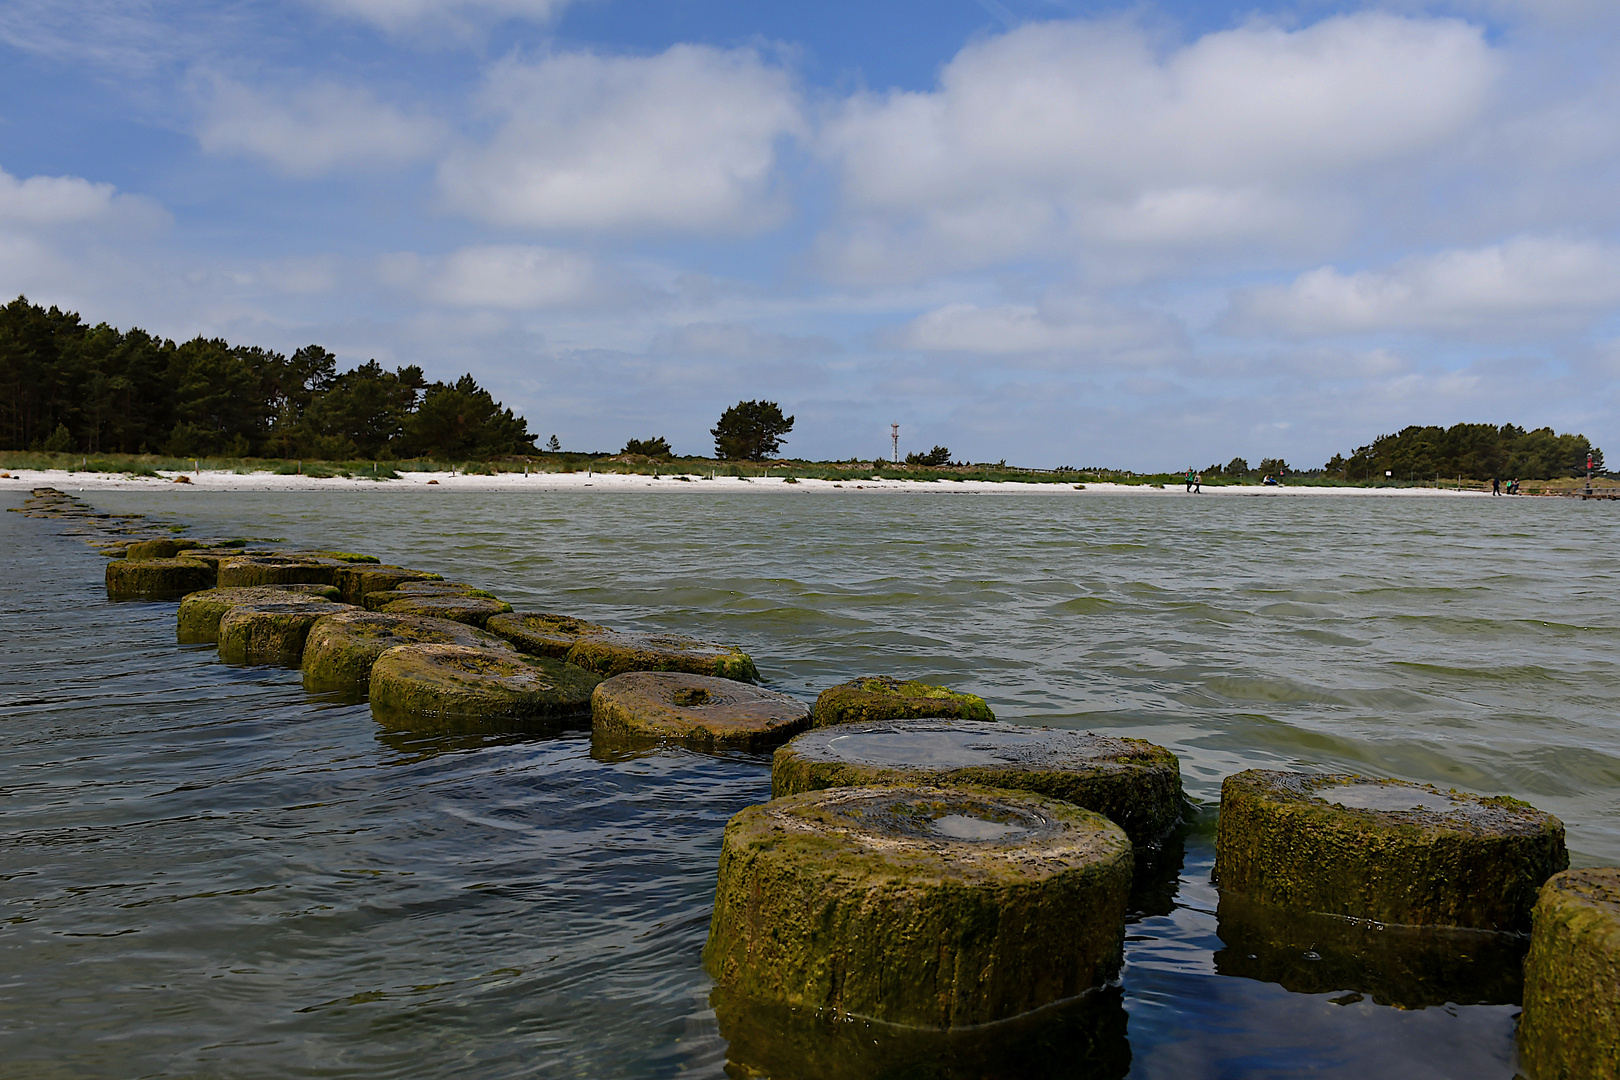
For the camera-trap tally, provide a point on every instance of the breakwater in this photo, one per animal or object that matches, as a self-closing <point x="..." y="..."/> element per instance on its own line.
<point x="602" y="558"/>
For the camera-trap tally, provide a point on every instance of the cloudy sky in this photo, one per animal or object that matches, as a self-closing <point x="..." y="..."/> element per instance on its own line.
<point x="1148" y="235"/>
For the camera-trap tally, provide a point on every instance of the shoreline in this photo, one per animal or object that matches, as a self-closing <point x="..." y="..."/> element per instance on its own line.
<point x="226" y="480"/>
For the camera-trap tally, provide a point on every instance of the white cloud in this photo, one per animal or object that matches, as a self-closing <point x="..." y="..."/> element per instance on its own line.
<point x="687" y="139"/>
<point x="1059" y="134"/>
<point x="1529" y="284"/>
<point x="511" y="277"/>
<point x="1086" y="328"/>
<point x="397" y="15"/>
<point x="734" y="341"/>
<point x="313" y="129"/>
<point x="44" y="202"/>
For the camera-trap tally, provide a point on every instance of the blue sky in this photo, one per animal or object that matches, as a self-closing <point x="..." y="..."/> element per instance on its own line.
<point x="1144" y="235"/>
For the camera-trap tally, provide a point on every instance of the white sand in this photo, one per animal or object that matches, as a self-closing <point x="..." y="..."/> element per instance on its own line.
<point x="209" y="480"/>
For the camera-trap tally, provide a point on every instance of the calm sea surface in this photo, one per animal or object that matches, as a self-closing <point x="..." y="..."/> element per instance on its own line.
<point x="207" y="872"/>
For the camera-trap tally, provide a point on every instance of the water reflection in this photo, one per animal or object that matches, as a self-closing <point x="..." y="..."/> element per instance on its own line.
<point x="1411" y="967"/>
<point x="1080" y="1039"/>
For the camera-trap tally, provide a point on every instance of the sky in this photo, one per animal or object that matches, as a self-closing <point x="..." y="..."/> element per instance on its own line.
<point x="1050" y="232"/>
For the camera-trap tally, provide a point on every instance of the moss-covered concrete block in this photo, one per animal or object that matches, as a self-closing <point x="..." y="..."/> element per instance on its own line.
<point x="156" y="579"/>
<point x="197" y="621"/>
<point x="1407" y="967"/>
<point x="154" y="549"/>
<point x="339" y="556"/>
<point x="411" y="590"/>
<point x="357" y="581"/>
<point x="454" y="688"/>
<point x="472" y="610"/>
<point x="248" y="571"/>
<point x="268" y="633"/>
<point x="1570" y="1029"/>
<point x="614" y="653"/>
<point x="880" y="697"/>
<point x="1132" y="782"/>
<point x="342" y="647"/>
<point x="698" y="711"/>
<point x="932" y="907"/>
<point x="1387" y="850"/>
<point x="539" y="634"/>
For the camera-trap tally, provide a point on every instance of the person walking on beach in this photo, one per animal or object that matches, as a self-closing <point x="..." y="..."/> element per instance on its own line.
<point x="1189" y="480"/>
<point x="1496" y="485"/>
<point x="1198" y="484"/>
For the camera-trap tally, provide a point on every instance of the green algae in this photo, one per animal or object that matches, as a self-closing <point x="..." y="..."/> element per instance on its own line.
<point x="156" y="579"/>
<point x="862" y="902"/>
<point x="342" y="647"/>
<point x="268" y="633"/>
<point x="613" y="653"/>
<point x="360" y="581"/>
<point x="1478" y="863"/>
<point x="248" y="571"/>
<point x="457" y="689"/>
<point x="697" y="711"/>
<point x="410" y="590"/>
<point x="197" y="621"/>
<point x="1570" y="1029"/>
<point x="154" y="549"/>
<point x="884" y="698"/>
<point x="1132" y="782"/>
<point x="540" y="634"/>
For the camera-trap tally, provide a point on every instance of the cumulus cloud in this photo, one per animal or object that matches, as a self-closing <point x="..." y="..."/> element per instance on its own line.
<point x="736" y="341"/>
<point x="1529" y="284"/>
<point x="1081" y="132"/>
<point x="47" y="202"/>
<point x="687" y="139"/>
<point x="1086" y="329"/>
<point x="313" y="129"/>
<point x="512" y="277"/>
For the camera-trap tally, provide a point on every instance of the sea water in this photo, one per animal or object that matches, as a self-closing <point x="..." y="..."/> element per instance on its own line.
<point x="206" y="871"/>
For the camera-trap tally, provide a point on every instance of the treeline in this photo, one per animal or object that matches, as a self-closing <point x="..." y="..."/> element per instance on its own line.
<point x="1471" y="451"/>
<point x="68" y="386"/>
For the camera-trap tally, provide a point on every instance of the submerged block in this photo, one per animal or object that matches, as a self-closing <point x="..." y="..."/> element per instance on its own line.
<point x="456" y="688"/>
<point x="156" y="579"/>
<point x="1571" y="1022"/>
<point x="357" y="581"/>
<point x="932" y="907"/>
<point x="614" y="653"/>
<point x="247" y="571"/>
<point x="1387" y="850"/>
<point x="1132" y="782"/>
<point x="154" y="549"/>
<point x="699" y="711"/>
<point x="883" y="698"/>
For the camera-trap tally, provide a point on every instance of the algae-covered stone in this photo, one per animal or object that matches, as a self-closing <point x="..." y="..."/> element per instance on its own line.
<point x="156" y="579"/>
<point x="1387" y="850"/>
<point x="1571" y="1023"/>
<point x="342" y="647"/>
<point x="884" y="698"/>
<point x="360" y="580"/>
<point x="268" y="633"/>
<point x="197" y="622"/>
<point x="410" y="590"/>
<point x="1083" y="1038"/>
<point x="155" y="549"/>
<point x="1408" y="967"/>
<point x="613" y="653"/>
<point x="472" y="610"/>
<point x="250" y="570"/>
<point x="455" y="688"/>
<point x="933" y="907"/>
<point x="339" y="556"/>
<point x="539" y="634"/>
<point x="699" y="711"/>
<point x="1132" y="782"/>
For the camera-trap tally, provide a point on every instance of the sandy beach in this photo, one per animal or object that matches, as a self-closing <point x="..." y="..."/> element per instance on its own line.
<point x="225" y="480"/>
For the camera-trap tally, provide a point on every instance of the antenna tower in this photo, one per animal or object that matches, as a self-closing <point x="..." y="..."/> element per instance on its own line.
<point x="894" y="436"/>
